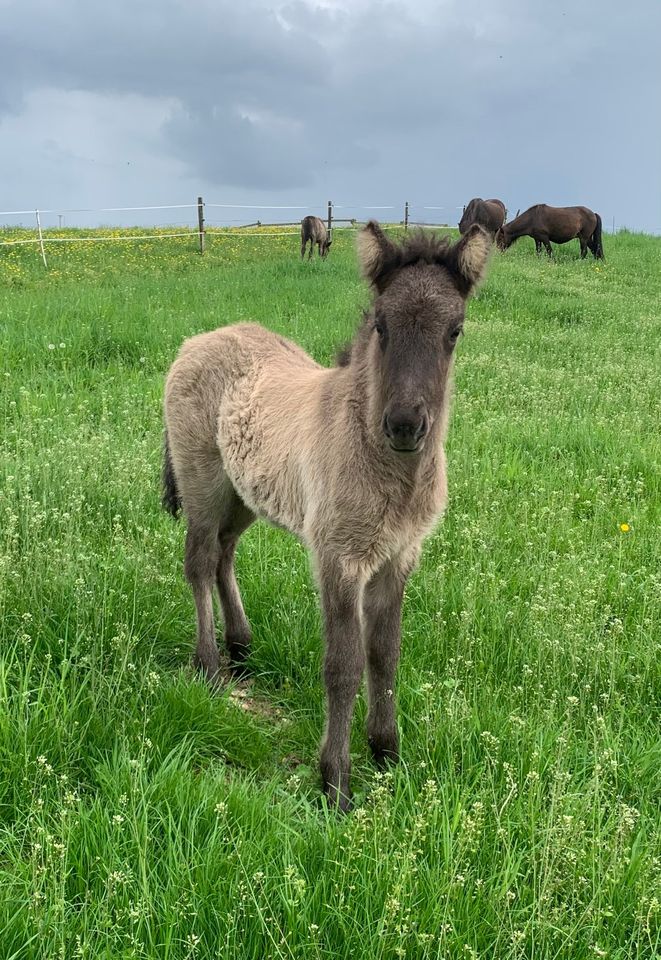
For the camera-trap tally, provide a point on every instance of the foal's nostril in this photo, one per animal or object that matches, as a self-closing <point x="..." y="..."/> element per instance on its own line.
<point x="405" y="428"/>
<point x="422" y="427"/>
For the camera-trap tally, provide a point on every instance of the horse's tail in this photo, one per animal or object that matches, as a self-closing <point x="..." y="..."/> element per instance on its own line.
<point x="170" y="500"/>
<point x="597" y="247"/>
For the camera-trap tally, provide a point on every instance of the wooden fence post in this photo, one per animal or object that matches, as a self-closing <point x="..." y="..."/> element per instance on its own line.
<point x="200" y="222"/>
<point x="406" y="215"/>
<point x="330" y="219"/>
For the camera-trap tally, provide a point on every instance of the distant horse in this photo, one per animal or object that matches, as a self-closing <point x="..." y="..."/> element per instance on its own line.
<point x="490" y="214"/>
<point x="313" y="230"/>
<point x="349" y="458"/>
<point x="558" y="224"/>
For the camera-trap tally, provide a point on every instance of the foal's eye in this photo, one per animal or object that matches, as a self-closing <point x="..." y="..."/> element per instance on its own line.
<point x="455" y="334"/>
<point x="380" y="329"/>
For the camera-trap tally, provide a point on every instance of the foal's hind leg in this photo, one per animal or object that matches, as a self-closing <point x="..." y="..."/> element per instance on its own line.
<point x="201" y="561"/>
<point x="237" y="628"/>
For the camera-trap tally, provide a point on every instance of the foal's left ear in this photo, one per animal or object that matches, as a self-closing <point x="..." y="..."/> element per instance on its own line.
<point x="377" y="254"/>
<point x="471" y="255"/>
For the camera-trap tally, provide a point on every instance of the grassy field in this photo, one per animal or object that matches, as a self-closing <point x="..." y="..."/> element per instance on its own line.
<point x="142" y="817"/>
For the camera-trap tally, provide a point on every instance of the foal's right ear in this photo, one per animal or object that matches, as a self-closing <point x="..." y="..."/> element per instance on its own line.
<point x="377" y="254"/>
<point x="471" y="255"/>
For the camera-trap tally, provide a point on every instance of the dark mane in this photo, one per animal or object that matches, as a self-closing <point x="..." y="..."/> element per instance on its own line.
<point x="343" y="356"/>
<point x="347" y="352"/>
<point x="419" y="246"/>
<point x="385" y="258"/>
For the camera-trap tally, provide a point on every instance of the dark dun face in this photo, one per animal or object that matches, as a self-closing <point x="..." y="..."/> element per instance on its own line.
<point x="415" y="327"/>
<point x="502" y="242"/>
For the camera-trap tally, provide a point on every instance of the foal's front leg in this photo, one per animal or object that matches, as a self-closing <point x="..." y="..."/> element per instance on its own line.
<point x="382" y="606"/>
<point x="343" y="670"/>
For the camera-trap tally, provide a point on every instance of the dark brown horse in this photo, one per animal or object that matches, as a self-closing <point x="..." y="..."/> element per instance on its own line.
<point x="490" y="214"/>
<point x="557" y="224"/>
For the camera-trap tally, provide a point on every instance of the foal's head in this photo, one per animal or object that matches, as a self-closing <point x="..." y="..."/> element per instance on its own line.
<point x="421" y="287"/>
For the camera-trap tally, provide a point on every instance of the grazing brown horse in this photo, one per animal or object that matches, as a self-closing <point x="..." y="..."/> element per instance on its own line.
<point x="349" y="458"/>
<point x="490" y="214"/>
<point x="555" y="224"/>
<point x="314" y="230"/>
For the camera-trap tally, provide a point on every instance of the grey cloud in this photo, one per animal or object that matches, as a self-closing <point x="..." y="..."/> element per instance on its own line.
<point x="378" y="100"/>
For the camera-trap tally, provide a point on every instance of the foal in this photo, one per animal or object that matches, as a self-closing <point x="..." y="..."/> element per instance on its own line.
<point x="314" y="230"/>
<point x="349" y="458"/>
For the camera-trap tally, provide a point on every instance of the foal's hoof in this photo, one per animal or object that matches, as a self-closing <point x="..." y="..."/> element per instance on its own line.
<point x="385" y="750"/>
<point x="238" y="666"/>
<point x="239" y="671"/>
<point x="338" y="800"/>
<point x="239" y="651"/>
<point x="209" y="669"/>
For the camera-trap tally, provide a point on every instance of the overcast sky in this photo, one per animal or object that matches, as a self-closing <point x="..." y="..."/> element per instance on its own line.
<point x="367" y="103"/>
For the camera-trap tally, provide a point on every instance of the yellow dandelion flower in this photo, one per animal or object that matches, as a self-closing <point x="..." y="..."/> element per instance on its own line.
<point x="624" y="527"/>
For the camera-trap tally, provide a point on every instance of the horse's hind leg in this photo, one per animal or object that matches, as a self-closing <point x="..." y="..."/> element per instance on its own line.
<point x="584" y="248"/>
<point x="201" y="561"/>
<point x="237" y="628"/>
<point x="548" y="247"/>
<point x="214" y="524"/>
<point x="538" y="247"/>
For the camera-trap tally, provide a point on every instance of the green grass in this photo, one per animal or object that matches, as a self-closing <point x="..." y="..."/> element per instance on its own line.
<point x="140" y="816"/>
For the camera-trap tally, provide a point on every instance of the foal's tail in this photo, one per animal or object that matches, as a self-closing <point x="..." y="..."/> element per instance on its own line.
<point x="170" y="500"/>
<point x="597" y="247"/>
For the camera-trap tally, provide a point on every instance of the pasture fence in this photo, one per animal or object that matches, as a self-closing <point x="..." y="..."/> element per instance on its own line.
<point x="428" y="216"/>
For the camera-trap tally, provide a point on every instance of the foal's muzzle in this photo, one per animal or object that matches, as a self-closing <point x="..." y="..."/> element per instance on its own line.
<point x="406" y="427"/>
